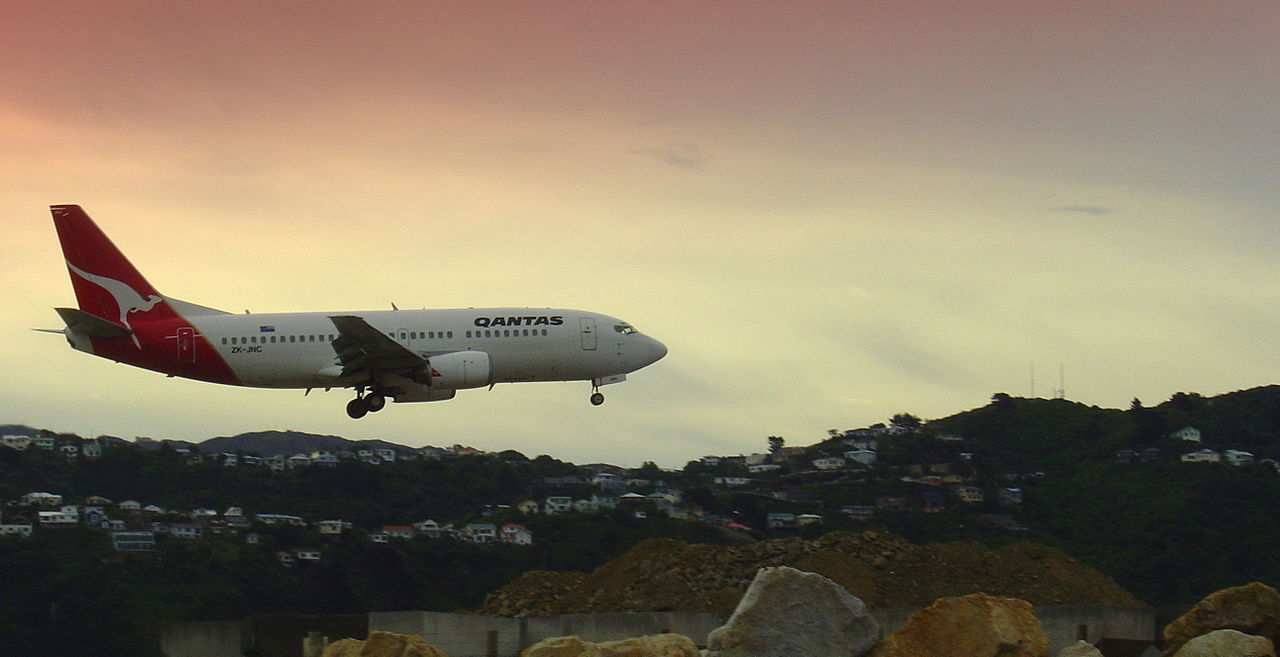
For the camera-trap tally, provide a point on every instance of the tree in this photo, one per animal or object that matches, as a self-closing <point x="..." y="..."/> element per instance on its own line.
<point x="906" y="421"/>
<point x="775" y="444"/>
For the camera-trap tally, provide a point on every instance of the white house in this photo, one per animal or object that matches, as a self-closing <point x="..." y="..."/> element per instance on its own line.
<point x="763" y="467"/>
<point x="863" y="456"/>
<point x="732" y="481"/>
<point x="42" y="500"/>
<point x="557" y="504"/>
<point x="19" y="443"/>
<point x="1189" y="434"/>
<point x="829" y="463"/>
<point x="332" y="527"/>
<point x="58" y="518"/>
<point x="15" y="530"/>
<point x="1237" y="457"/>
<point x="1202" y="456"/>
<point x="386" y="454"/>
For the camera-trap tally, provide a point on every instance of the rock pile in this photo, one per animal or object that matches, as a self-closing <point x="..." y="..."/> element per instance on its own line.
<point x="881" y="569"/>
<point x="1253" y="609"/>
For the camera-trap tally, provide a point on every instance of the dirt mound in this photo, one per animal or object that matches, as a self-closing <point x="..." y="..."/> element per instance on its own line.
<point x="884" y="570"/>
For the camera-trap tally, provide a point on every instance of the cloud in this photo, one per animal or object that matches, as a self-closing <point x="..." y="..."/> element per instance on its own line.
<point x="1095" y="210"/>
<point x="683" y="155"/>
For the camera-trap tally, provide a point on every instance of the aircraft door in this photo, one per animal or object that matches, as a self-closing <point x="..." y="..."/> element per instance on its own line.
<point x="589" y="338"/>
<point x="186" y="345"/>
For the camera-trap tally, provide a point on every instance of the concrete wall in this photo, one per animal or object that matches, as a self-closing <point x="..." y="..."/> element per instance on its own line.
<point x="201" y="639"/>
<point x="458" y="635"/>
<point x="1064" y="625"/>
<point x="468" y="635"/>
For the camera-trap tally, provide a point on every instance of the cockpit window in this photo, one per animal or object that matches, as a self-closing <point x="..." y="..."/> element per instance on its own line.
<point x="625" y="329"/>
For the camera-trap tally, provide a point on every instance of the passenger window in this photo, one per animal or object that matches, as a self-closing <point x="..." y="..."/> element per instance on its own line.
<point x="451" y="334"/>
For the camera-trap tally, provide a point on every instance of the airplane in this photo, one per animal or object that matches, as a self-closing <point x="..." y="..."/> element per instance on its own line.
<point x="402" y="355"/>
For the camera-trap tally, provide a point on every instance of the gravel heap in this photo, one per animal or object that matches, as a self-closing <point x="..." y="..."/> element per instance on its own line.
<point x="882" y="569"/>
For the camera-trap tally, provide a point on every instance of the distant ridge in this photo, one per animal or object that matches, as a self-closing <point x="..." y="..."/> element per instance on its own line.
<point x="287" y="443"/>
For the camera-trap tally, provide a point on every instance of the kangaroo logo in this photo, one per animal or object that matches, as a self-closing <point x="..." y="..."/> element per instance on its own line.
<point x="127" y="299"/>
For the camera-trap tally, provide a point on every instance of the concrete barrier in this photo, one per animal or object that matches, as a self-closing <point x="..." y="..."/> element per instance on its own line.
<point x="469" y="635"/>
<point x="458" y="635"/>
<point x="202" y="639"/>
<point x="1064" y="625"/>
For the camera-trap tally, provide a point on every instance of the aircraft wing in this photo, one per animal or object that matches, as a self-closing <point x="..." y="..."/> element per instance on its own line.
<point x="362" y="348"/>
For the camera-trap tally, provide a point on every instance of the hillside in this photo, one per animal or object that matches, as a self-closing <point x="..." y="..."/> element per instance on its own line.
<point x="1012" y="484"/>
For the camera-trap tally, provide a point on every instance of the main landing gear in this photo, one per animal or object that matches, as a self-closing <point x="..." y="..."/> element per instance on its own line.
<point x="364" y="404"/>
<point x="597" y="397"/>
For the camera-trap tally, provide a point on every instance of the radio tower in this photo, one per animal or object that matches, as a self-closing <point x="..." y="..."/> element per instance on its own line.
<point x="1061" y="391"/>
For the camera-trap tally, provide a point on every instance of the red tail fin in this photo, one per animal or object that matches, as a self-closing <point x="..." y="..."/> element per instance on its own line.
<point x="107" y="285"/>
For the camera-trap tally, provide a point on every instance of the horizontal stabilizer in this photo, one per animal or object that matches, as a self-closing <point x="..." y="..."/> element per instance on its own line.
<point x="82" y="322"/>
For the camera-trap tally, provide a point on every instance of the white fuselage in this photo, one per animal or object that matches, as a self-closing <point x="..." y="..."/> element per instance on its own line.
<point x="294" y="350"/>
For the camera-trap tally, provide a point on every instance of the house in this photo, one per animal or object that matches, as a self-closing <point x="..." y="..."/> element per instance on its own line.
<point x="1125" y="456"/>
<point x="781" y="520"/>
<point x="19" y="443"/>
<point x="44" y="442"/>
<point x="1189" y="434"/>
<point x="480" y="532"/>
<point x="403" y="532"/>
<point x="70" y="451"/>
<point x="307" y="554"/>
<point x="133" y="541"/>
<point x="527" y="507"/>
<point x="1009" y="496"/>
<point x="969" y="494"/>
<point x="130" y="506"/>
<point x="859" y="511"/>
<point x="763" y="467"/>
<point x="16" y="530"/>
<point x="808" y="519"/>
<point x="732" y="481"/>
<point x="251" y="460"/>
<point x="1202" y="456"/>
<point x="42" y="500"/>
<point x="230" y="460"/>
<point x="710" y="461"/>
<point x="379" y="537"/>
<point x="1149" y="454"/>
<point x="828" y="463"/>
<point x="557" y="504"/>
<point x="332" y="527"/>
<point x="58" y="518"/>
<point x="386" y="454"/>
<point x="516" y="534"/>
<point x="863" y="456"/>
<point x="891" y="503"/>
<point x="276" y="463"/>
<point x="185" y="532"/>
<point x="1237" y="457"/>
<point x="584" y="506"/>
<point x="280" y="519"/>
<point x="203" y="513"/>
<point x="299" y="461"/>
<point x="91" y="450"/>
<point x="153" y="510"/>
<point x="428" y="528"/>
<point x="286" y="559"/>
<point x="323" y="457"/>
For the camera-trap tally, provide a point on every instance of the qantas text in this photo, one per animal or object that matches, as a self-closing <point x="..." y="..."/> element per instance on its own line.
<point x="486" y="322"/>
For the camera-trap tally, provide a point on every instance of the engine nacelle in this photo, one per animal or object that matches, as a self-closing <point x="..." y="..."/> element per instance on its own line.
<point x="457" y="370"/>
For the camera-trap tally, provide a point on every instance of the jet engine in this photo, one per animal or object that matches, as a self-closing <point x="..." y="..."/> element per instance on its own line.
<point x="456" y="370"/>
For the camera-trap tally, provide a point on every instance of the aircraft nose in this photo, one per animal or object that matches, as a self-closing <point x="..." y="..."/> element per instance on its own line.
<point x="656" y="350"/>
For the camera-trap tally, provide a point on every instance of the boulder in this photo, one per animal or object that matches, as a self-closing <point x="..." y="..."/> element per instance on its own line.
<point x="658" y="645"/>
<point x="1222" y="643"/>
<point x="1253" y="609"/>
<point x="976" y="625"/>
<point x="1080" y="649"/>
<point x="383" y="644"/>
<point x="790" y="613"/>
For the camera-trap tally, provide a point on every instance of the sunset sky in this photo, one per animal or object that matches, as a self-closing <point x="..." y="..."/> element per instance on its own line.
<point x="829" y="212"/>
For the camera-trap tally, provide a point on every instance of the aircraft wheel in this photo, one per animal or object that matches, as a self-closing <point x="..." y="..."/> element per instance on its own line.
<point x="376" y="401"/>
<point x="597" y="398"/>
<point x="356" y="408"/>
